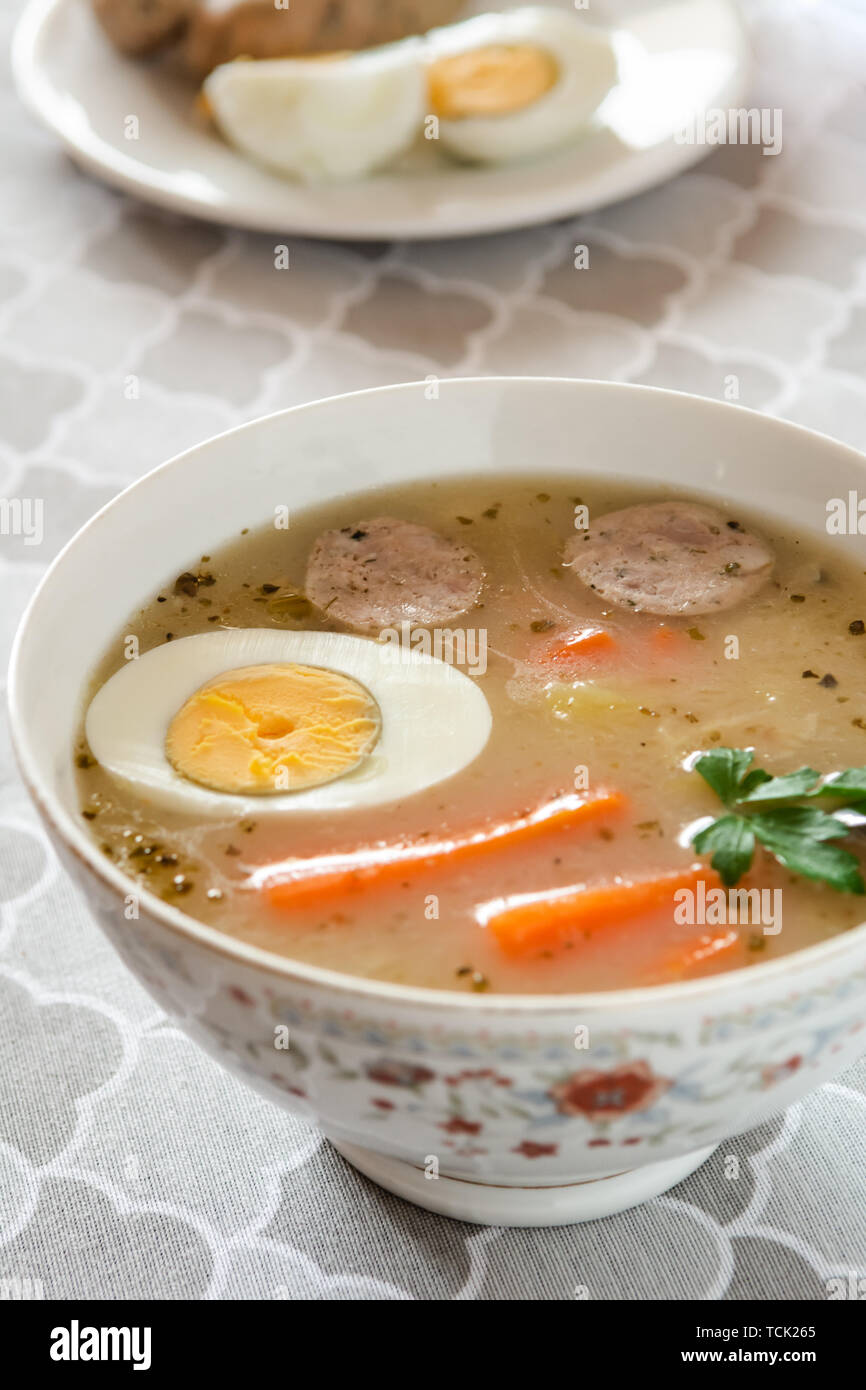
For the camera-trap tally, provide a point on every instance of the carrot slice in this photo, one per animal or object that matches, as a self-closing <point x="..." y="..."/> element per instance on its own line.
<point x="533" y="922"/>
<point x="299" y="881"/>
<point x="668" y="641"/>
<point x="586" y="641"/>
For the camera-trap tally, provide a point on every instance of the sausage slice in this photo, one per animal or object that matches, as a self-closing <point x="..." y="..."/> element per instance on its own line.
<point x="379" y="573"/>
<point x="670" y="557"/>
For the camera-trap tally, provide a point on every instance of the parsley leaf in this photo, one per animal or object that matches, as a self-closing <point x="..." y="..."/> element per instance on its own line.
<point x="731" y="840"/>
<point x="799" y="822"/>
<point x="849" y="785"/>
<point x="724" y="769"/>
<point x="799" y="837"/>
<point x="779" y="788"/>
<point x="801" y="843"/>
<point x="751" y="780"/>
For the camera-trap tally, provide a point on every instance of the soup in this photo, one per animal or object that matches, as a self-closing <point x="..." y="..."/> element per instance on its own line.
<point x="467" y="735"/>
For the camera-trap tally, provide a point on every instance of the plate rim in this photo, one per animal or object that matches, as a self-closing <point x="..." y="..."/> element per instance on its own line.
<point x="38" y="94"/>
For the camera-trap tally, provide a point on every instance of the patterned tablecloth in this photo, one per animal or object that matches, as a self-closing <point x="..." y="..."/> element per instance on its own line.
<point x="130" y="1164"/>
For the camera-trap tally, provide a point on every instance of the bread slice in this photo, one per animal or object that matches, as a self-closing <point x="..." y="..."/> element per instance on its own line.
<point x="219" y="32"/>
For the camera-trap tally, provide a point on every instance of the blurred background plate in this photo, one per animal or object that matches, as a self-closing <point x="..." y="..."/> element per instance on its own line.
<point x="676" y="61"/>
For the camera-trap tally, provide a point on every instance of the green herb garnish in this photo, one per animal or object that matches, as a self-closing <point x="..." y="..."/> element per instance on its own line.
<point x="766" y="810"/>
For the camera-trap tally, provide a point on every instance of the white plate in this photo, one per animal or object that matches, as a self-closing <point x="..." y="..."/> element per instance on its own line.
<point x="677" y="60"/>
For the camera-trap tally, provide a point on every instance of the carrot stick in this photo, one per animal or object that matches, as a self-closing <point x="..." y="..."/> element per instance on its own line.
<point x="710" y="946"/>
<point x="297" y="882"/>
<point x="533" y="922"/>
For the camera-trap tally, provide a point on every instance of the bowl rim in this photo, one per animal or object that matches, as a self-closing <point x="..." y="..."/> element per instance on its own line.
<point x="76" y="840"/>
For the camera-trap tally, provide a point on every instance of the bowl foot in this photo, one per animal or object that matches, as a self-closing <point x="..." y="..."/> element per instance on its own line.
<point x="488" y="1205"/>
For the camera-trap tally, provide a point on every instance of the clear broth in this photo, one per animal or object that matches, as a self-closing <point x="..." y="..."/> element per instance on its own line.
<point x="632" y="726"/>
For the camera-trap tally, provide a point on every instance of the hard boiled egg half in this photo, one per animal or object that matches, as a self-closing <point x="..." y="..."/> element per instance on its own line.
<point x="506" y="86"/>
<point x="500" y="87"/>
<point x="338" y="116"/>
<point x="259" y="721"/>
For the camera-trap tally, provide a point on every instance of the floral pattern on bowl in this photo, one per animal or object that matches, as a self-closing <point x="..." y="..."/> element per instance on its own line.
<point x="490" y="1101"/>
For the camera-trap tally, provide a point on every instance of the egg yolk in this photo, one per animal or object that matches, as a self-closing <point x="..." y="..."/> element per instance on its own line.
<point x="490" y="81"/>
<point x="275" y="728"/>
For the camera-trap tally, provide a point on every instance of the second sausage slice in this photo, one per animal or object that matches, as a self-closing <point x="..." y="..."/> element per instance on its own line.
<point x="670" y="557"/>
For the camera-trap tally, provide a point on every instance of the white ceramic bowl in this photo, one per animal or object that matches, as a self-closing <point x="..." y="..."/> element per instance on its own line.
<point x="488" y="1090"/>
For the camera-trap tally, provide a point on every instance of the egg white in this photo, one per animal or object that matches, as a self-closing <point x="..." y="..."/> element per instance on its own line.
<point x="587" y="66"/>
<point x="337" y="118"/>
<point x="435" y="720"/>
